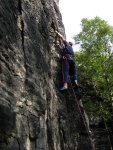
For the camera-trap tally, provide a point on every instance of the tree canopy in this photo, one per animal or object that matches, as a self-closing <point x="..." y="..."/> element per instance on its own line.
<point x="95" y="66"/>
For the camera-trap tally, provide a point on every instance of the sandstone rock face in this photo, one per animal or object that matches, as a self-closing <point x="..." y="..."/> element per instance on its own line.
<point x="33" y="114"/>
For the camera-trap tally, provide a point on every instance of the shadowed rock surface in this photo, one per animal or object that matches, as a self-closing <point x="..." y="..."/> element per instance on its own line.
<point x="33" y="114"/>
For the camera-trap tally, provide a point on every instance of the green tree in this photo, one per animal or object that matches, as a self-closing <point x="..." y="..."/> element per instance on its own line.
<point x="95" y="66"/>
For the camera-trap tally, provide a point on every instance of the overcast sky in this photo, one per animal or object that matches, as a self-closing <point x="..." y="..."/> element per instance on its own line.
<point x="74" y="10"/>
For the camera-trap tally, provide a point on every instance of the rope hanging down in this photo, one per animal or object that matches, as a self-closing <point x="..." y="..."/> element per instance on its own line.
<point x="82" y="116"/>
<point x="53" y="25"/>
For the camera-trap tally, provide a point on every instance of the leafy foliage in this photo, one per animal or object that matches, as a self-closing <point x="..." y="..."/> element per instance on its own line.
<point x="95" y="66"/>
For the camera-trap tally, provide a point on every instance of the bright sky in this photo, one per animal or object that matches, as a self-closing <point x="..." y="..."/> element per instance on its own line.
<point x="74" y="10"/>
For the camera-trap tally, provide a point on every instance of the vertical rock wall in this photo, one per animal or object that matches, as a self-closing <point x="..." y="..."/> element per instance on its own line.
<point x="28" y="94"/>
<point x="33" y="114"/>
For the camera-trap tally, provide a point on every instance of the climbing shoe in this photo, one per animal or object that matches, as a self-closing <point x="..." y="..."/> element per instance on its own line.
<point x="62" y="89"/>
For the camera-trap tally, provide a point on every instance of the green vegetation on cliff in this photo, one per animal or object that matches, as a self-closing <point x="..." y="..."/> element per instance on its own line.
<point x="95" y="68"/>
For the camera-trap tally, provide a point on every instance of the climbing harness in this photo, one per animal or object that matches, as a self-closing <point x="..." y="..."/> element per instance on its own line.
<point x="52" y="5"/>
<point x="82" y="115"/>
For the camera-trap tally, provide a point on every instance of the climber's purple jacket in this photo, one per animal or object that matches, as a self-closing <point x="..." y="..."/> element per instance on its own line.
<point x="68" y="63"/>
<point x="68" y="50"/>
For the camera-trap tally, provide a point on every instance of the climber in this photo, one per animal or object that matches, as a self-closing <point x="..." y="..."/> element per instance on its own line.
<point x="68" y="63"/>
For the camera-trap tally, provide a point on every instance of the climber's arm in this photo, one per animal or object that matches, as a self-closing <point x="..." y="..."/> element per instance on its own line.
<point x="60" y="35"/>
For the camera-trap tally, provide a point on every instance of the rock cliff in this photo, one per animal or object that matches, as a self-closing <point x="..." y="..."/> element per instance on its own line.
<point x="33" y="114"/>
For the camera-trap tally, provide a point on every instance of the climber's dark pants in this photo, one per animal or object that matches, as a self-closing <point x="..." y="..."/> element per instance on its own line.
<point x="68" y="69"/>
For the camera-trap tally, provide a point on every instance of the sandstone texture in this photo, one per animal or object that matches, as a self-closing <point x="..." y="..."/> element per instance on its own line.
<point x="33" y="114"/>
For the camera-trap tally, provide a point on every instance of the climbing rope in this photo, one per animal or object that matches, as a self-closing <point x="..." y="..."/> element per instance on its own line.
<point x="52" y="5"/>
<point x="82" y="115"/>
